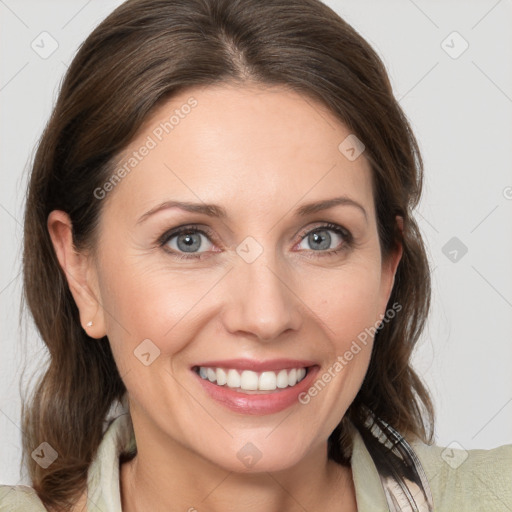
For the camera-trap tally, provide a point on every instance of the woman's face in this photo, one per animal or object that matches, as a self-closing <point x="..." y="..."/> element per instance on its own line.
<point x="274" y="277"/>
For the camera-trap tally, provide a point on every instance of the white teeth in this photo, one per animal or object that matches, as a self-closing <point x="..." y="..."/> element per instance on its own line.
<point x="233" y="380"/>
<point x="282" y="379"/>
<point x="222" y="378"/>
<point x="249" y="380"/>
<point x="267" y="381"/>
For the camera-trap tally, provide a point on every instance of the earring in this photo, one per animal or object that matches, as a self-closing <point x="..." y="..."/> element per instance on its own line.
<point x="89" y="324"/>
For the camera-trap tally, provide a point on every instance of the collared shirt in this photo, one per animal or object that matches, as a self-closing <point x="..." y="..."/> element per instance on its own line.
<point x="459" y="480"/>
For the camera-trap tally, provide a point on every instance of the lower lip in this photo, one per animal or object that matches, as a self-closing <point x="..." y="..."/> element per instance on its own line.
<point x="272" y="402"/>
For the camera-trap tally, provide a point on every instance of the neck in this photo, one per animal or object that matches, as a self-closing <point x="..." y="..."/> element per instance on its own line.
<point x="174" y="478"/>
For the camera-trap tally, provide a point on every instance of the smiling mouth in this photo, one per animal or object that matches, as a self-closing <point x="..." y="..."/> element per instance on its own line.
<point x="251" y="382"/>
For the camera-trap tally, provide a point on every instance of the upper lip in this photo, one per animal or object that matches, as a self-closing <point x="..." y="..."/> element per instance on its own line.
<point x="257" y="366"/>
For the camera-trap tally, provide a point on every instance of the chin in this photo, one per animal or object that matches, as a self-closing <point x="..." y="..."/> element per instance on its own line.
<point x="255" y="454"/>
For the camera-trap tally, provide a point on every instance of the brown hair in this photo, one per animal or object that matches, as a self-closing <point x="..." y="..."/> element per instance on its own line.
<point x="140" y="55"/>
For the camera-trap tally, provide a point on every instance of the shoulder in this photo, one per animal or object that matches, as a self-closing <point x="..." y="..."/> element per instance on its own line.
<point x="20" y="498"/>
<point x="468" y="480"/>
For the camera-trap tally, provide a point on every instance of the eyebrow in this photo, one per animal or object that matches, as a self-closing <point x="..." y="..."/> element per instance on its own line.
<point x="213" y="210"/>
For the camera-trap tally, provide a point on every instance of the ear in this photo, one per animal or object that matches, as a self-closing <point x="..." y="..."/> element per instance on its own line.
<point x="80" y="274"/>
<point x="390" y="265"/>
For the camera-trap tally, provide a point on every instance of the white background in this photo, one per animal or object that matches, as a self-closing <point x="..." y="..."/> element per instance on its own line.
<point x="461" y="111"/>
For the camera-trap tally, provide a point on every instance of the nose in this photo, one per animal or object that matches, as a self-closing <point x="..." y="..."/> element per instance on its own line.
<point x="260" y="300"/>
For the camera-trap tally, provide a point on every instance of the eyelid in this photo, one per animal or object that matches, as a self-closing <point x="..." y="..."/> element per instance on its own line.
<point x="327" y="226"/>
<point x="196" y="228"/>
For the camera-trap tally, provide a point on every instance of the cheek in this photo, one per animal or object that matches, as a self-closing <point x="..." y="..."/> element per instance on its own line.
<point x="349" y="310"/>
<point x="347" y="301"/>
<point x="142" y="303"/>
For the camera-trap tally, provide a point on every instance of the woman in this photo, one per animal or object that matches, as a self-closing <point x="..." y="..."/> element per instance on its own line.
<point x="219" y="238"/>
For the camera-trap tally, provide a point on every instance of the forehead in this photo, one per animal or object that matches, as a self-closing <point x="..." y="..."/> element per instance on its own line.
<point x="249" y="146"/>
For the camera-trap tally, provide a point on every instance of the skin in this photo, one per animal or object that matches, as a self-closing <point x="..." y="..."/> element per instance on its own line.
<point x="260" y="153"/>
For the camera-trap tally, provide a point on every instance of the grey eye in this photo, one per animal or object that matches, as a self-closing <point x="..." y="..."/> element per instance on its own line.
<point x="320" y="239"/>
<point x="186" y="242"/>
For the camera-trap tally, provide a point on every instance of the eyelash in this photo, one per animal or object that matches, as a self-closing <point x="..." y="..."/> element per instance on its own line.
<point x="193" y="229"/>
